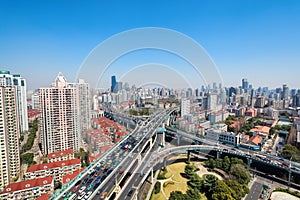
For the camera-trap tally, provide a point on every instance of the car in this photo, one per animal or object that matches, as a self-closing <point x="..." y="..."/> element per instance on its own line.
<point x="90" y="171"/>
<point x="130" y="193"/>
<point x="88" y="194"/>
<point x="81" y="196"/>
<point x="97" y="169"/>
<point x="84" y="180"/>
<point x="90" y="187"/>
<point x="97" y="180"/>
<point x="75" y="188"/>
<point x="103" y="195"/>
<point x="82" y="189"/>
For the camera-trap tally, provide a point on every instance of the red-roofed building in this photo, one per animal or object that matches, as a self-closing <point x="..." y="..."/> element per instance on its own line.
<point x="56" y="169"/>
<point x="261" y="130"/>
<point x="67" y="178"/>
<point x="255" y="140"/>
<point x="44" y="197"/>
<point x="33" y="114"/>
<point x="29" y="189"/>
<point x="61" y="155"/>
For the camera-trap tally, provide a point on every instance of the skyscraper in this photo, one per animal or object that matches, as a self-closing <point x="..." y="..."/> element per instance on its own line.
<point x="7" y="79"/>
<point x="245" y="83"/>
<point x="9" y="135"/>
<point x="285" y="92"/>
<point x="113" y="84"/>
<point x="60" y="117"/>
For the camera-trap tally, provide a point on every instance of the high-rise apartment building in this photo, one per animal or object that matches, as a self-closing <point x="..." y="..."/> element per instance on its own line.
<point x="35" y="101"/>
<point x="83" y="95"/>
<point x="185" y="107"/>
<point x="7" y="79"/>
<point x="9" y="134"/>
<point x="60" y="121"/>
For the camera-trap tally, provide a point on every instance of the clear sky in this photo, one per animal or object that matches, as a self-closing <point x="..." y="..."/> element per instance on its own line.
<point x="258" y="40"/>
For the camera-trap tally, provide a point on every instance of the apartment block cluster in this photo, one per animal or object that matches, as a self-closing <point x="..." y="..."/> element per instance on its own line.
<point x="203" y="111"/>
<point x="104" y="134"/>
<point x="64" y="113"/>
<point x="40" y="178"/>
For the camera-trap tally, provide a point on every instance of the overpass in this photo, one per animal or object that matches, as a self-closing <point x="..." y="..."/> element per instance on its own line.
<point x="113" y="159"/>
<point x="135" y="161"/>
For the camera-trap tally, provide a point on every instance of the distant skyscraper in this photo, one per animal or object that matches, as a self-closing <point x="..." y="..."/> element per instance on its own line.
<point x="296" y="100"/>
<point x="245" y="83"/>
<point x="185" y="107"/>
<point x="7" y="79"/>
<point x="9" y="132"/>
<point x="60" y="117"/>
<point x="113" y="84"/>
<point x="212" y="101"/>
<point x="285" y="92"/>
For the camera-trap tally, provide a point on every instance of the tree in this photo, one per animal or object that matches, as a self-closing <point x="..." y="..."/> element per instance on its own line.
<point x="226" y="164"/>
<point x="196" y="182"/>
<point x="157" y="187"/>
<point x="177" y="195"/>
<point x="193" y="194"/>
<point x="240" y="173"/>
<point x="291" y="151"/>
<point x="57" y="185"/>
<point x="27" y="158"/>
<point x="209" y="183"/>
<point x="189" y="170"/>
<point x="238" y="191"/>
<point x="221" y="191"/>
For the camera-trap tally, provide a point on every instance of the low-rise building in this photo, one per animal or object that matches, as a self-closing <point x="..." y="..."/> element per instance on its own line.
<point x="68" y="177"/>
<point x="61" y="155"/>
<point x="55" y="169"/>
<point x="29" y="189"/>
<point x="255" y="140"/>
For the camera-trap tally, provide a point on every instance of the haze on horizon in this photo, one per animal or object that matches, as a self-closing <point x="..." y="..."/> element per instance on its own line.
<point x="257" y="40"/>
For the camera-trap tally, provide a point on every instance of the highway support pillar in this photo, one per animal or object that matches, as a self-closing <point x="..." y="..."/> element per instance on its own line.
<point x="165" y="162"/>
<point x="178" y="139"/>
<point x="249" y="161"/>
<point x="219" y="154"/>
<point x="163" y="138"/>
<point x="188" y="156"/>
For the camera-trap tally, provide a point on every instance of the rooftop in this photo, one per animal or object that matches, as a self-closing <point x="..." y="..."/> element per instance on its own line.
<point x="23" y="185"/>
<point x="60" y="153"/>
<point x="52" y="165"/>
<point x="67" y="178"/>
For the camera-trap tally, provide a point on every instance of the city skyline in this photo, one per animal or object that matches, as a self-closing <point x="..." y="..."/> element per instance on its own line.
<point x="255" y="40"/>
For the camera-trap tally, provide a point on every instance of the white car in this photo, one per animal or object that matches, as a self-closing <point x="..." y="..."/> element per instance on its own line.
<point x="88" y="194"/>
<point x="81" y="196"/>
<point x="82" y="189"/>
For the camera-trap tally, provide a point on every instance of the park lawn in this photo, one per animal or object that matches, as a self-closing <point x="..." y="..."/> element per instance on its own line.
<point x="176" y="187"/>
<point x="176" y="169"/>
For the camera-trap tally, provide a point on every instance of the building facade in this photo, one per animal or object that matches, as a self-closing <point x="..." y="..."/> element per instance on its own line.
<point x="60" y="121"/>
<point x="29" y="189"/>
<point x="55" y="169"/>
<point x="9" y="135"/>
<point x="15" y="80"/>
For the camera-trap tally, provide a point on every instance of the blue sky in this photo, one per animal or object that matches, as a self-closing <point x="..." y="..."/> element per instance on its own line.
<point x="259" y="40"/>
